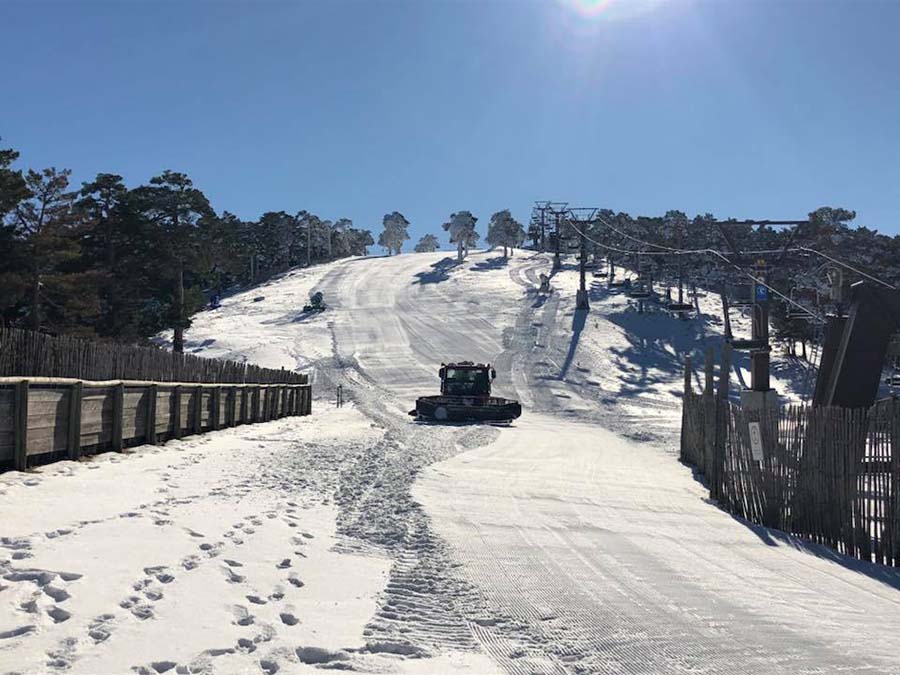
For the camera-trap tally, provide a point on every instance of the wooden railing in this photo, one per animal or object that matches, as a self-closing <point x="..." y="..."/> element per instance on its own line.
<point x="54" y="418"/>
<point x="25" y="353"/>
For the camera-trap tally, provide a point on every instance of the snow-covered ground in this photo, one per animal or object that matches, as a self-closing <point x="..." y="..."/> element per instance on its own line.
<point x="570" y="542"/>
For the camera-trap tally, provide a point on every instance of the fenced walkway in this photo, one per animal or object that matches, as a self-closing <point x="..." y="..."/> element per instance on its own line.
<point x="26" y="353"/>
<point x="829" y="475"/>
<point x="65" y="397"/>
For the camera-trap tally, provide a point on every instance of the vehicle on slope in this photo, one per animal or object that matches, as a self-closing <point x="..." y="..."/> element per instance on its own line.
<point x="544" y="288"/>
<point x="316" y="303"/>
<point x="466" y="397"/>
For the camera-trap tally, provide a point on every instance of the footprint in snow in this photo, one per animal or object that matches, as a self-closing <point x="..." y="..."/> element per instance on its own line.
<point x="17" y="632"/>
<point x="101" y="628"/>
<point x="190" y="562"/>
<point x="53" y="534"/>
<point x="268" y="666"/>
<point x="232" y="577"/>
<point x="138" y="609"/>
<point x="288" y="618"/>
<point x="242" y="617"/>
<point x="58" y="593"/>
<point x="58" y="614"/>
<point x="160" y="572"/>
<point x="246" y="646"/>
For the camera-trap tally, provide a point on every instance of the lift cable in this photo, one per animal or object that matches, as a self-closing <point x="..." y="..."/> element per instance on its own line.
<point x="708" y="251"/>
<point x="782" y="251"/>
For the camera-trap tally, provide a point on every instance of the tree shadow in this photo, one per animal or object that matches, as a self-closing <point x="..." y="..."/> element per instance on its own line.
<point x="658" y="343"/>
<point x="540" y="300"/>
<point x="440" y="271"/>
<point x="297" y="316"/>
<point x="192" y="346"/>
<point x="490" y="264"/>
<point x="772" y="537"/>
<point x="579" y="318"/>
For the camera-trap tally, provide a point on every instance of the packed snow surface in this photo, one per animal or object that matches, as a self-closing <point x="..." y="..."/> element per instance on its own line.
<point x="357" y="539"/>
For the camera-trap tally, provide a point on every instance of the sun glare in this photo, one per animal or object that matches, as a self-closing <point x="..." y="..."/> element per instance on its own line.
<point x="611" y="9"/>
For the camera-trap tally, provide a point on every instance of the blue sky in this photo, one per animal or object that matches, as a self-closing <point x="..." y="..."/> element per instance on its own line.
<point x="740" y="108"/>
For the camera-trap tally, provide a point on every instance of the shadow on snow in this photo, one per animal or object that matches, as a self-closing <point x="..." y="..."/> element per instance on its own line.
<point x="440" y="271"/>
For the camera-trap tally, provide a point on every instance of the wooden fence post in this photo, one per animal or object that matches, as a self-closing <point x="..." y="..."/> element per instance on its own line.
<point x="244" y="406"/>
<point x="198" y="410"/>
<point x="721" y="421"/>
<point x="176" y="412"/>
<point x="214" y="421"/>
<point x="20" y="426"/>
<point x="285" y="392"/>
<point x="118" y="413"/>
<point x="893" y="521"/>
<point x="685" y="402"/>
<point x="151" y="414"/>
<point x="74" y="440"/>
<point x="709" y="417"/>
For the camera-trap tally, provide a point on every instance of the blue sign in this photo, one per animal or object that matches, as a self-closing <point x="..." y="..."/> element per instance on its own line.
<point x="762" y="293"/>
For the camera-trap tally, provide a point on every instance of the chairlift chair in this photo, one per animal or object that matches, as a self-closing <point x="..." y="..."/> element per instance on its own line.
<point x="739" y="295"/>
<point x="638" y="290"/>
<point x="749" y="344"/>
<point x="679" y="307"/>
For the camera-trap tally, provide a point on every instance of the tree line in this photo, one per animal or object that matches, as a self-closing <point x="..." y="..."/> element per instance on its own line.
<point x="105" y="260"/>
<point x="503" y="231"/>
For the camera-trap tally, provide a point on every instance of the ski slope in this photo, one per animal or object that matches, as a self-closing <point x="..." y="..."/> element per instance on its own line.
<point x="570" y="542"/>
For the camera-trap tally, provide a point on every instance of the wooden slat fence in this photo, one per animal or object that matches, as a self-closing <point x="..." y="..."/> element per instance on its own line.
<point x="829" y="475"/>
<point x="25" y="353"/>
<point x="47" y="419"/>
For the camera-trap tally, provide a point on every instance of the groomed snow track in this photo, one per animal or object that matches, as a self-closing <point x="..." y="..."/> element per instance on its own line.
<point x="570" y="542"/>
<point x="578" y="550"/>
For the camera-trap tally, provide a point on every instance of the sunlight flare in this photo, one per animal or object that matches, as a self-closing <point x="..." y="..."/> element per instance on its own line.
<point x="611" y="9"/>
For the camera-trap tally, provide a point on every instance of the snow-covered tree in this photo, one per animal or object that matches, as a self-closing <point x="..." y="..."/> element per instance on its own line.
<point x="427" y="244"/>
<point x="394" y="233"/>
<point x="505" y="231"/>
<point x="461" y="227"/>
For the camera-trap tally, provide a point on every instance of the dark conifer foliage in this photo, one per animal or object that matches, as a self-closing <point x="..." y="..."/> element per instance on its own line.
<point x="123" y="263"/>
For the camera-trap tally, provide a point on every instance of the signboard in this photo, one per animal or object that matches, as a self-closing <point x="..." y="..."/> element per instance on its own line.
<point x="762" y="293"/>
<point x="756" y="447"/>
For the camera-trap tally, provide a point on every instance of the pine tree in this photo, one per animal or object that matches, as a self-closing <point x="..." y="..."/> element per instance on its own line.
<point x="13" y="262"/>
<point x="461" y="227"/>
<point x="394" y="233"/>
<point x="427" y="244"/>
<point x="505" y="231"/>
<point x="175" y="207"/>
<point x="60" y="297"/>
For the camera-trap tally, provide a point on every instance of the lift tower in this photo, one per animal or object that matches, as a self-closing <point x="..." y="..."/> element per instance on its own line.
<point x="581" y="218"/>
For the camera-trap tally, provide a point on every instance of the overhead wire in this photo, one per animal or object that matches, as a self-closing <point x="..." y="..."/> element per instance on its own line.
<point x="795" y="249"/>
<point x="708" y="251"/>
